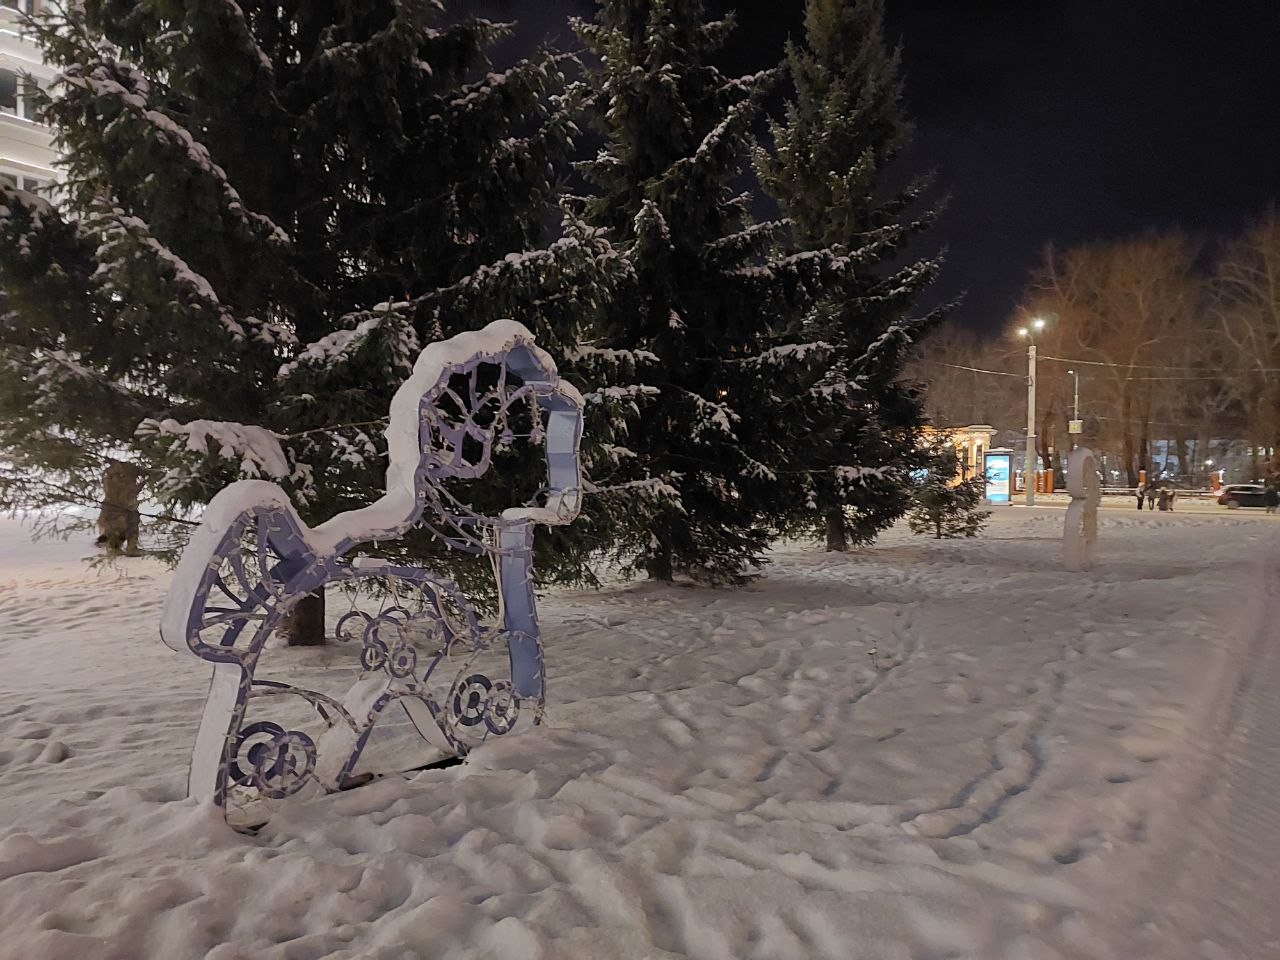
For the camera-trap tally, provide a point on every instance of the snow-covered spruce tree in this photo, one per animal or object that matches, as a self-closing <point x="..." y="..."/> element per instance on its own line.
<point x="827" y="170"/>
<point x="941" y="503"/>
<point x="268" y="208"/>
<point x="704" y="291"/>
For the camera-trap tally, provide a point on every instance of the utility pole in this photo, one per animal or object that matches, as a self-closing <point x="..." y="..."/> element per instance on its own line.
<point x="1028" y="333"/>
<point x="1029" y="471"/>
<point x="1075" y="408"/>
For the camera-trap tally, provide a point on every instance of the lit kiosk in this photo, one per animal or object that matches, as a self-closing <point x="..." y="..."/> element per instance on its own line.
<point x="998" y="472"/>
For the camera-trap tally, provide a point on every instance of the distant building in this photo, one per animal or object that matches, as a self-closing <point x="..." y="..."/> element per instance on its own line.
<point x="970" y="443"/>
<point x="26" y="146"/>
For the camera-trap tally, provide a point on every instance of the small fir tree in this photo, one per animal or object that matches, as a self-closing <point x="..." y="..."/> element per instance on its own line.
<point x="858" y="427"/>
<point x="267" y="209"/>
<point x="705" y="292"/>
<point x="941" y="502"/>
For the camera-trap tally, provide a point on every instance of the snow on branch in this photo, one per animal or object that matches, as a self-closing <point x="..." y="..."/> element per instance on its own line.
<point x="101" y="81"/>
<point x="728" y="131"/>
<point x="527" y="269"/>
<point x="257" y="448"/>
<point x="628" y="392"/>
<point x="651" y="487"/>
<point x="58" y="364"/>
<point x="611" y="356"/>
<point x="480" y="92"/>
<point x="839" y="389"/>
<point x="849" y="476"/>
<point x="713" y="417"/>
<point x="245" y="34"/>
<point x="119" y="230"/>
<point x="749" y="85"/>
<point x="754" y="236"/>
<point x="340" y="346"/>
<point x="786" y="354"/>
<point x="757" y="470"/>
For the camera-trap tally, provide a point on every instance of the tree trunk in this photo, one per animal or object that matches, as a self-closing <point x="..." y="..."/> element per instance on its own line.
<point x="1203" y="450"/>
<point x="836" y="539"/>
<point x="1045" y="440"/>
<point x="304" y="625"/>
<point x="658" y="565"/>
<point x="1126" y="440"/>
<point x="1184" y="456"/>
<point x="1144" y="440"/>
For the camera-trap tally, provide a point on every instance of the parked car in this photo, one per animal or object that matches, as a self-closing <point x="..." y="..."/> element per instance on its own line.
<point x="1235" y="495"/>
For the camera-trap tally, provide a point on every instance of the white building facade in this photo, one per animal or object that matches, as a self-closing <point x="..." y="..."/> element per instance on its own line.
<point x="26" y="148"/>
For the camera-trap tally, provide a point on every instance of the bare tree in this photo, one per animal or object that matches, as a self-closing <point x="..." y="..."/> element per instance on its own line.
<point x="1125" y="309"/>
<point x="1247" y="288"/>
<point x="968" y="380"/>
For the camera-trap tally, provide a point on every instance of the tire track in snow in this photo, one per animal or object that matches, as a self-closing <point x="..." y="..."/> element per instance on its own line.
<point x="1246" y="893"/>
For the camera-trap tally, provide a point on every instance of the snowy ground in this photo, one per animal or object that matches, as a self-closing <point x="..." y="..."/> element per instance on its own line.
<point x="1032" y="765"/>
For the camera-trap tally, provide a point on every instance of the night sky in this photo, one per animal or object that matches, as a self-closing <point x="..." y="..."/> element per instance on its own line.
<point x="1056" y="121"/>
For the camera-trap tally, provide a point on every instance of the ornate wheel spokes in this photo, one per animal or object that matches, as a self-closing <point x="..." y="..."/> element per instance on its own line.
<point x="270" y="759"/>
<point x="470" y="699"/>
<point x="481" y="701"/>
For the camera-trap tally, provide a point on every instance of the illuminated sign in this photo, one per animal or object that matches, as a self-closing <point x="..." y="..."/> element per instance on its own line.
<point x="998" y="472"/>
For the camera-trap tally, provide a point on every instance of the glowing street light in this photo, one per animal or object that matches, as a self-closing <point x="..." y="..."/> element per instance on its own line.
<point x="1028" y="333"/>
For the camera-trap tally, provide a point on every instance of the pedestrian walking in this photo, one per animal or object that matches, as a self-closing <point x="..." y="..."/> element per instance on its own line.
<point x="1271" y="498"/>
<point x="1142" y="495"/>
<point x="1166" y="500"/>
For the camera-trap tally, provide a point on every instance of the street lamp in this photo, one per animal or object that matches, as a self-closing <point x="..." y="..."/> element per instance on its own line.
<point x="1028" y="333"/>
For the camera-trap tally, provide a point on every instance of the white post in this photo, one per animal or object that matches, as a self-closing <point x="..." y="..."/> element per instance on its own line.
<point x="1029" y="470"/>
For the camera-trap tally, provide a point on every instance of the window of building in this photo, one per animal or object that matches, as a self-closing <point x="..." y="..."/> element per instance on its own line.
<point x="9" y="92"/>
<point x="22" y="181"/>
<point x="30" y="105"/>
<point x="19" y="96"/>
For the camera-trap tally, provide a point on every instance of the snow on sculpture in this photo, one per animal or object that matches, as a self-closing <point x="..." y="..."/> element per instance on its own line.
<point x="252" y="559"/>
<point x="1080" y="534"/>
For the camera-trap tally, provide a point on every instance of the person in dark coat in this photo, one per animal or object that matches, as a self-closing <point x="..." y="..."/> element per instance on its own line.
<point x="1271" y="498"/>
<point x="1166" y="499"/>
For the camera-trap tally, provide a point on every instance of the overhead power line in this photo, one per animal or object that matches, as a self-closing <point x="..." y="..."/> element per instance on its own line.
<point x="960" y="366"/>
<point x="1152" y="366"/>
<point x="1095" y="363"/>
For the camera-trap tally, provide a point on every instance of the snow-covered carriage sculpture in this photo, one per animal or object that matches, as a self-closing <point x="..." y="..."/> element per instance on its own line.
<point x="426" y="650"/>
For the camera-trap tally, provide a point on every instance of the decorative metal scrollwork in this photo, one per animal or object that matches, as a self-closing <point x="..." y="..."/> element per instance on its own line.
<point x="457" y="680"/>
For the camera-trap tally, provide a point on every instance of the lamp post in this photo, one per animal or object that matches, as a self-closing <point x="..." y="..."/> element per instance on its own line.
<point x="1028" y="471"/>
<point x="1075" y="409"/>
